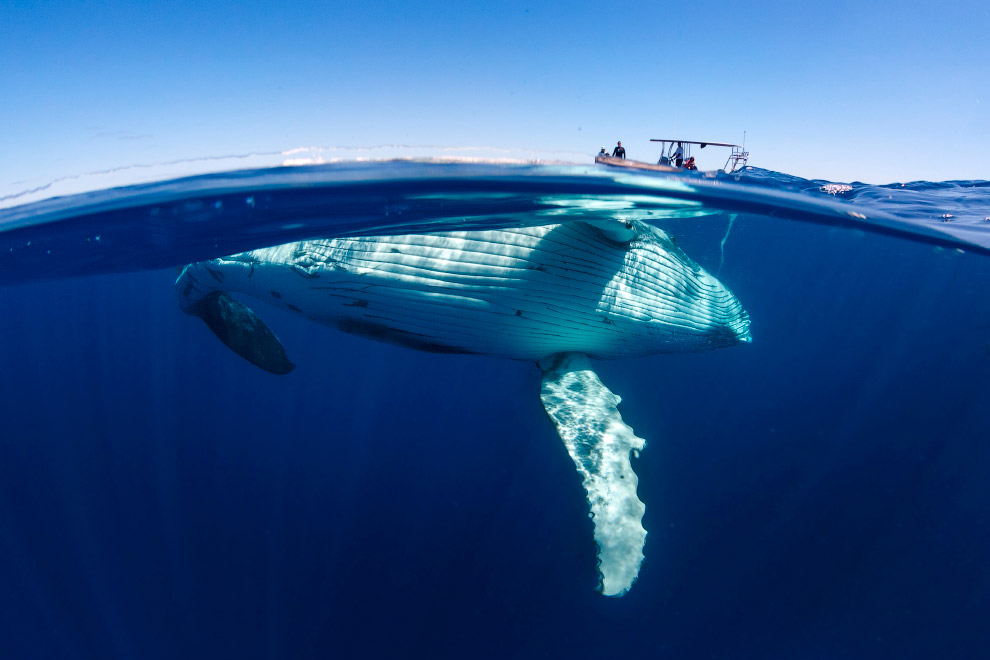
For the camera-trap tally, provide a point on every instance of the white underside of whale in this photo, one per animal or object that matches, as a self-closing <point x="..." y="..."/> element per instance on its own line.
<point x="553" y="294"/>
<point x="523" y="294"/>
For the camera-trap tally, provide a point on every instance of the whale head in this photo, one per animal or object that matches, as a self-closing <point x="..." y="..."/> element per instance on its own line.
<point x="666" y="302"/>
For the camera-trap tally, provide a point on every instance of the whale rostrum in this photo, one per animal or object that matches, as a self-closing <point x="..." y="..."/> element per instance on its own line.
<point x="557" y="295"/>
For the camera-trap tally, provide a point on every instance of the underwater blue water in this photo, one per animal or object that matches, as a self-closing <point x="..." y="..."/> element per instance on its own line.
<point x="819" y="493"/>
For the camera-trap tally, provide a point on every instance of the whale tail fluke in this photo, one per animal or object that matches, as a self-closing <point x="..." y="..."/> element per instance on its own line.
<point x="587" y="419"/>
<point x="242" y="331"/>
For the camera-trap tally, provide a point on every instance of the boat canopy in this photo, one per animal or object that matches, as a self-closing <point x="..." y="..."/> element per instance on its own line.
<point x="702" y="144"/>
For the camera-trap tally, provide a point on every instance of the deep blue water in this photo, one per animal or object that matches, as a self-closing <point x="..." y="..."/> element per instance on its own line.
<point x="820" y="493"/>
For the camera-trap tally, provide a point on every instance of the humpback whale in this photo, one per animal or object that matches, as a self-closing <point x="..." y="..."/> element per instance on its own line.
<point x="558" y="295"/>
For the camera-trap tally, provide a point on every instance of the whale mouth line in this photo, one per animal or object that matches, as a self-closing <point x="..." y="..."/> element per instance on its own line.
<point x="725" y="336"/>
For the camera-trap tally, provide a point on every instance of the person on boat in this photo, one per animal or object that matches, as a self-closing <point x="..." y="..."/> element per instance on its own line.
<point x="689" y="164"/>
<point x="679" y="155"/>
<point x="619" y="152"/>
<point x="603" y="152"/>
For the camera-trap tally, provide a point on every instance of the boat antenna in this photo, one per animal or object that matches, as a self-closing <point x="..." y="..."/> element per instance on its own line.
<point x="744" y="140"/>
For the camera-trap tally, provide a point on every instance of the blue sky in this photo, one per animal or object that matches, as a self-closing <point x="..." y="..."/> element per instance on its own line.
<point x="843" y="91"/>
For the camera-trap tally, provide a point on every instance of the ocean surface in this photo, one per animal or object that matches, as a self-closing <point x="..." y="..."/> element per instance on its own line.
<point x="823" y="492"/>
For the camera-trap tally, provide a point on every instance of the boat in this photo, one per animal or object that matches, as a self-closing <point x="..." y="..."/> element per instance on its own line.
<point x="736" y="160"/>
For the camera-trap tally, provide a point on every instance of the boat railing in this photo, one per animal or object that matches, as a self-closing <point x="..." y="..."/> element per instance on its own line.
<point x="737" y="159"/>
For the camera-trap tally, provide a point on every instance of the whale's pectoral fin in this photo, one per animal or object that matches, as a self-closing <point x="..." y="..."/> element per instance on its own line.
<point x="600" y="443"/>
<point x="240" y="329"/>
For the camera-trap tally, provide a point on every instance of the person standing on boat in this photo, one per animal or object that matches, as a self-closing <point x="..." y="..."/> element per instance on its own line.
<point x="679" y="155"/>
<point x="619" y="152"/>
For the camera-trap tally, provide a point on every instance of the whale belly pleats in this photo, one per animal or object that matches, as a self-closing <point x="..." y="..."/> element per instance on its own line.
<point x="518" y="294"/>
